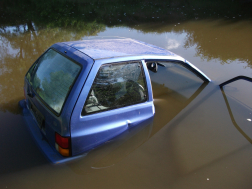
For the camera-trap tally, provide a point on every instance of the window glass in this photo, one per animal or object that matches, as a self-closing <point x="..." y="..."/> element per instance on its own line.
<point x="52" y="77"/>
<point x="173" y="79"/>
<point x="116" y="85"/>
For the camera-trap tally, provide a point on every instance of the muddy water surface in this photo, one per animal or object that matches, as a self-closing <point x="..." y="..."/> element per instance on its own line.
<point x="193" y="141"/>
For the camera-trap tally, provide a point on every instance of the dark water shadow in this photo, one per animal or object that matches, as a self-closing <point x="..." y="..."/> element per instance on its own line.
<point x="73" y="13"/>
<point x="18" y="151"/>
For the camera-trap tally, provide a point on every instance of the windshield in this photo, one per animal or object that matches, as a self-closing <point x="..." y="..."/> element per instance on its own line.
<point x="52" y="77"/>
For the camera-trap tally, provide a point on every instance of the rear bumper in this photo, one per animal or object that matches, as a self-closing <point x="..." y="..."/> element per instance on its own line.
<point x="51" y="154"/>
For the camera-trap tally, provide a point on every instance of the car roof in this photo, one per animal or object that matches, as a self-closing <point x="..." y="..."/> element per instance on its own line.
<point x="107" y="48"/>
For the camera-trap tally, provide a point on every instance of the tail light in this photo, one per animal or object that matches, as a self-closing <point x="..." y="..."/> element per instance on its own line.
<point x="62" y="144"/>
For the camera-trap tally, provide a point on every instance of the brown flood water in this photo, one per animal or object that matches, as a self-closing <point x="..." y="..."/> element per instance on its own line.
<point x="192" y="142"/>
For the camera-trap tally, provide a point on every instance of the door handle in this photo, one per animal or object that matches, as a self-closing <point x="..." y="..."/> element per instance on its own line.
<point x="128" y="122"/>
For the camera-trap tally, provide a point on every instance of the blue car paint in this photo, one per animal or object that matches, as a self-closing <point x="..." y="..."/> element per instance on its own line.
<point x="106" y="48"/>
<point x="89" y="131"/>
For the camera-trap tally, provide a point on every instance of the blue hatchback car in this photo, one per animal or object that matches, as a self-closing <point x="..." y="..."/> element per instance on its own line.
<point x="81" y="94"/>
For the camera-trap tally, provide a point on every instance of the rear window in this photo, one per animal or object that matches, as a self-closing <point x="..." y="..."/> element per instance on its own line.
<point x="52" y="77"/>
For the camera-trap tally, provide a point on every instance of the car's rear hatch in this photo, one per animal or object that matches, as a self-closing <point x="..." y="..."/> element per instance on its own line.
<point x="52" y="86"/>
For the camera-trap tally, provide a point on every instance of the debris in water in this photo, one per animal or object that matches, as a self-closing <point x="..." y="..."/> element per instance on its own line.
<point x="249" y="119"/>
<point x="207" y="178"/>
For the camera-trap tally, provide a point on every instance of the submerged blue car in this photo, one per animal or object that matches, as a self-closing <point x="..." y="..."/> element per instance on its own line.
<point x="81" y="94"/>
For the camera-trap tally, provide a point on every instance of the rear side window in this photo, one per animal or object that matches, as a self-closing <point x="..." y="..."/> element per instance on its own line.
<point x="52" y="78"/>
<point x="116" y="85"/>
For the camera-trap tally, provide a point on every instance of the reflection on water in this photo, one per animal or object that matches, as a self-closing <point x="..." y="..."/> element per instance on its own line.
<point x="213" y="37"/>
<point x="192" y="141"/>
<point x="237" y="95"/>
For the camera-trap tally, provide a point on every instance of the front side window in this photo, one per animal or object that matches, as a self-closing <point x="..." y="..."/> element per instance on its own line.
<point x="116" y="85"/>
<point x="52" y="77"/>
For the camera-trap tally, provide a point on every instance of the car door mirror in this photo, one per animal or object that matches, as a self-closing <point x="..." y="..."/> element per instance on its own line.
<point x="152" y="66"/>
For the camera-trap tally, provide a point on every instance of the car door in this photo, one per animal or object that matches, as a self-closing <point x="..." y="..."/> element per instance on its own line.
<point x="116" y="97"/>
